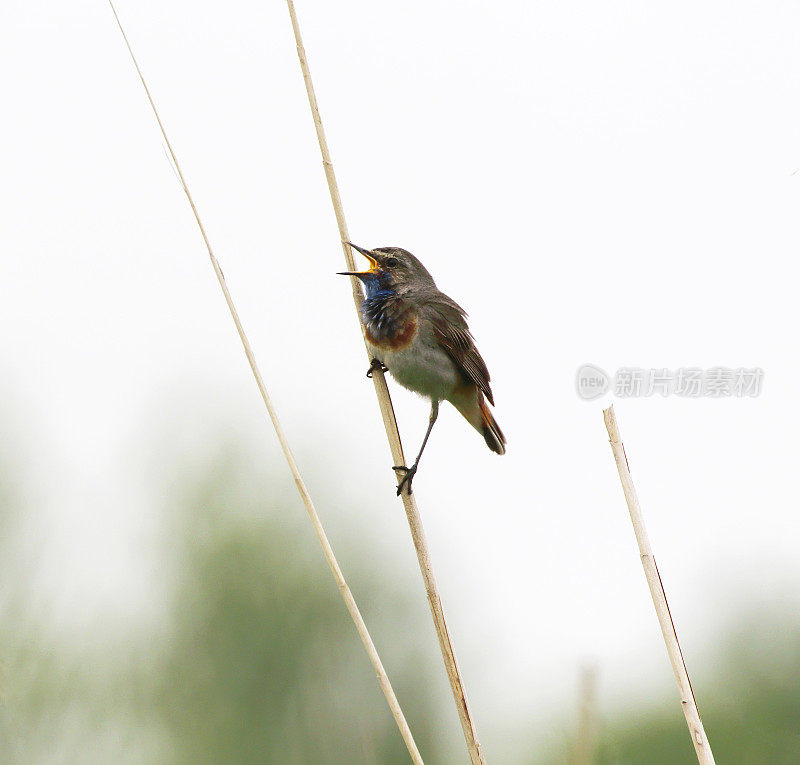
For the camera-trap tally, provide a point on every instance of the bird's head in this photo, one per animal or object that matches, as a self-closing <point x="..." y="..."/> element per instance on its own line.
<point x="391" y="268"/>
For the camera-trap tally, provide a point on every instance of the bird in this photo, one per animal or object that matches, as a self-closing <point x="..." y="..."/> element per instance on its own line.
<point x="420" y="336"/>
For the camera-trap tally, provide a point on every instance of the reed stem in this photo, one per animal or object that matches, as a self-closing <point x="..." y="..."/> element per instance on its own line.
<point x="586" y="739"/>
<point x="698" y="735"/>
<point x="390" y="424"/>
<point x="347" y="595"/>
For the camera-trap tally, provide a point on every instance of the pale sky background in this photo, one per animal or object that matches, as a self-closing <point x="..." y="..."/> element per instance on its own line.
<point x="608" y="183"/>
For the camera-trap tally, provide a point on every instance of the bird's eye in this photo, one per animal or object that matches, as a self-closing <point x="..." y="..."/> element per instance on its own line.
<point x="391" y="262"/>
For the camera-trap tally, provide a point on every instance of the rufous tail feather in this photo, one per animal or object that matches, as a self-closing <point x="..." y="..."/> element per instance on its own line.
<point x="472" y="405"/>
<point x="495" y="439"/>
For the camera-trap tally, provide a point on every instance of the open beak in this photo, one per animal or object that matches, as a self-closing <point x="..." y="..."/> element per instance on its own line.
<point x="373" y="263"/>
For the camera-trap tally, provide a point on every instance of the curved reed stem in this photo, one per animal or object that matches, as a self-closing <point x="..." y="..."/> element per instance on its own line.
<point x="347" y="595"/>
<point x="390" y="423"/>
<point x="701" y="746"/>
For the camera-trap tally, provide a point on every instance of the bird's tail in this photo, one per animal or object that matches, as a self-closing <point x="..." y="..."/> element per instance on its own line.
<point x="494" y="437"/>
<point x="472" y="405"/>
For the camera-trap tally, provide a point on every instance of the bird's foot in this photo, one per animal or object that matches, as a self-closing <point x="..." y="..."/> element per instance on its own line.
<point x="375" y="365"/>
<point x="406" y="480"/>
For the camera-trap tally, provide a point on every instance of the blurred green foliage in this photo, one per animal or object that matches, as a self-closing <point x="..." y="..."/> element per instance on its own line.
<point x="254" y="660"/>
<point x="251" y="656"/>
<point x="750" y="708"/>
<point x="263" y="663"/>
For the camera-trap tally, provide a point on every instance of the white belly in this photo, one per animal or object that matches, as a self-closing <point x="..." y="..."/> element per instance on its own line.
<point x="422" y="366"/>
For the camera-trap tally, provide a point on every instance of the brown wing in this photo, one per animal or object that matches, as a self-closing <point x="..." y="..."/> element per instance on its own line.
<point x="451" y="330"/>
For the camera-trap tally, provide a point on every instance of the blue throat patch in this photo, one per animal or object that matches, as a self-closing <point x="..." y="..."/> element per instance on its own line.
<point x="374" y="311"/>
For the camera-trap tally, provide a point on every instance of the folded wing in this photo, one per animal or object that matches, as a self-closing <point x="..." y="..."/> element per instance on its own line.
<point x="452" y="333"/>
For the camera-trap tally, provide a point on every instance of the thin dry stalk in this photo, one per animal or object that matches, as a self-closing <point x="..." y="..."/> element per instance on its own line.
<point x="701" y="746"/>
<point x="347" y="595"/>
<point x="390" y="423"/>
<point x="586" y="739"/>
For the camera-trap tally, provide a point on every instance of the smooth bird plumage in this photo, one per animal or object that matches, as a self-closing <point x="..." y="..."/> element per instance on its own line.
<point x="421" y="336"/>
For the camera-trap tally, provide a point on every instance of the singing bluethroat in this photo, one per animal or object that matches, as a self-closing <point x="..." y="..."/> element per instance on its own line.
<point x="421" y="337"/>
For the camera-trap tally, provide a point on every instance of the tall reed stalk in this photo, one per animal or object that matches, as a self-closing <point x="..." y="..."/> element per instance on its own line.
<point x="701" y="746"/>
<point x="390" y="424"/>
<point x="586" y="739"/>
<point x="347" y="595"/>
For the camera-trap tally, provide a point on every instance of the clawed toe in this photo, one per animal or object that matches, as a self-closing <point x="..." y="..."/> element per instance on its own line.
<point x="375" y="365"/>
<point x="406" y="479"/>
